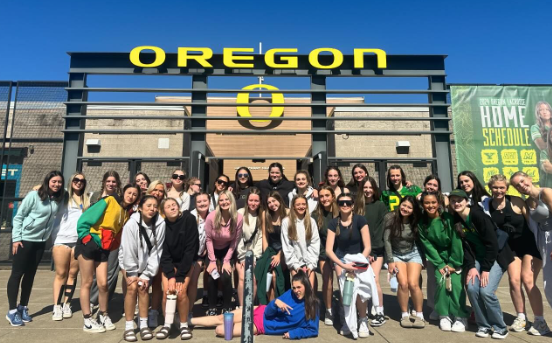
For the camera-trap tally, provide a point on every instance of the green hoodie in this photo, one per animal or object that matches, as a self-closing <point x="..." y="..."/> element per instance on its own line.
<point x="34" y="220"/>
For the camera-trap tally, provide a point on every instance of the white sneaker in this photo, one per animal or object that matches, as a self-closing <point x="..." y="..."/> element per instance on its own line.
<point x="328" y="320"/>
<point x="539" y="328"/>
<point x="106" y="322"/>
<point x="518" y="325"/>
<point x="434" y="315"/>
<point x="500" y="335"/>
<point x="363" y="330"/>
<point x="459" y="325"/>
<point x="58" y="313"/>
<point x="152" y="318"/>
<point x="445" y="324"/>
<point x="67" y="312"/>
<point x="94" y="327"/>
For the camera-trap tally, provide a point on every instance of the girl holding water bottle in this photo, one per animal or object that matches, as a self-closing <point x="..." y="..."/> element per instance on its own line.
<point x="403" y="257"/>
<point x="443" y="248"/>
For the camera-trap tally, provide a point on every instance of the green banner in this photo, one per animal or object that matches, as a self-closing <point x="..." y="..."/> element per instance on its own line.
<point x="503" y="129"/>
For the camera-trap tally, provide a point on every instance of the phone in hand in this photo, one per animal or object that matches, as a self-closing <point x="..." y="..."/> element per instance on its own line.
<point x="360" y="265"/>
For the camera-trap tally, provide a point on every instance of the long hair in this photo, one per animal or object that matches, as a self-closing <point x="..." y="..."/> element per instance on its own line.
<point x="425" y="218"/>
<point x="320" y="209"/>
<point x="153" y="219"/>
<point x="44" y="190"/>
<point x="237" y="188"/>
<point x="311" y="301"/>
<point x="539" y="121"/>
<point x="253" y="191"/>
<point x="217" y="223"/>
<point x="396" y="225"/>
<point x="184" y="183"/>
<point x="343" y="195"/>
<point x="340" y="183"/>
<point x="84" y="197"/>
<point x="112" y="173"/>
<point x="281" y="212"/>
<point x="478" y="190"/>
<point x="292" y="229"/>
<point x="361" y="199"/>
<point x="144" y="175"/>
<point x="279" y="166"/>
<point x="353" y="183"/>
<point x="390" y="185"/>
<point x="215" y="186"/>
<point x="307" y="175"/>
<point x="440" y="196"/>
<point x="122" y="198"/>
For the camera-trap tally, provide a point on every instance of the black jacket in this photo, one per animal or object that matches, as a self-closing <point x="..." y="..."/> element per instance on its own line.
<point x="180" y="247"/>
<point x="485" y="227"/>
<point x="283" y="187"/>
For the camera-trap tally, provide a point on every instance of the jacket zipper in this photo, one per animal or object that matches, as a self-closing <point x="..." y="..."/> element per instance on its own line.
<point x="49" y="216"/>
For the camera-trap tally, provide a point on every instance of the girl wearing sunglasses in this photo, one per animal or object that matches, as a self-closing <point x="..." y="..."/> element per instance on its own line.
<point x="221" y="184"/>
<point x="326" y="211"/>
<point x="178" y="191"/>
<point x="303" y="186"/>
<point x="300" y="239"/>
<point x="374" y="210"/>
<point x="348" y="235"/>
<point x="402" y="254"/>
<point x="240" y="187"/>
<point x="65" y="239"/>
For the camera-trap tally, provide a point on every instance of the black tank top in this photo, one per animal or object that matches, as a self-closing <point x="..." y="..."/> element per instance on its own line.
<point x="508" y="220"/>
<point x="275" y="239"/>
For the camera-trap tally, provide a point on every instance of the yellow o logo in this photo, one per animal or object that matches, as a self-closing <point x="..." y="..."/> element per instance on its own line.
<point x="277" y="98"/>
<point x="159" y="56"/>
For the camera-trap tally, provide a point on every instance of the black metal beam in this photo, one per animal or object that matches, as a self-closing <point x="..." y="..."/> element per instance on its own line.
<point x="271" y="132"/>
<point x="326" y="118"/>
<point x="233" y="104"/>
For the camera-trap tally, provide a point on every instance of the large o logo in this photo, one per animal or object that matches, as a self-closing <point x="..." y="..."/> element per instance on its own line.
<point x="277" y="98"/>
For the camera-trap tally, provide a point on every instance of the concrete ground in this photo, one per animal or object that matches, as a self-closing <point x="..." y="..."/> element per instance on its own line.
<point x="70" y="330"/>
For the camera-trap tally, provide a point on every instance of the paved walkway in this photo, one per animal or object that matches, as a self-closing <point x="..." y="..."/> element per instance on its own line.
<point x="70" y="330"/>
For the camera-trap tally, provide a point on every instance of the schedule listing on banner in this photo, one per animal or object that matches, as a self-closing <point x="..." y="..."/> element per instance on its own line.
<point x="503" y="129"/>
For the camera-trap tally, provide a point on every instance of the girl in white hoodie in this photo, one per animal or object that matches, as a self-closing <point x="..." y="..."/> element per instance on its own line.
<point x="139" y="256"/>
<point x="303" y="186"/>
<point x="300" y="239"/>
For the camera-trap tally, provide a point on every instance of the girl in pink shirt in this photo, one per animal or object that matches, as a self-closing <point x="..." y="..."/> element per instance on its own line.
<point x="223" y="227"/>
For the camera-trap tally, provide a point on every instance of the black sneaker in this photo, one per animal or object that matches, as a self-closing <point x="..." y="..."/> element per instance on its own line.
<point x="219" y="302"/>
<point x="205" y="302"/>
<point x="378" y="320"/>
<point x="211" y="312"/>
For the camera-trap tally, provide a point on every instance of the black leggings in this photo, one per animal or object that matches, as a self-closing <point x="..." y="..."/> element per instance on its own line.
<point x="24" y="265"/>
<point x="225" y="278"/>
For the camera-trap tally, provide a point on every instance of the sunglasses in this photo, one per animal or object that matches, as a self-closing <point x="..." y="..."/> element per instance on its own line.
<point x="245" y="176"/>
<point x="77" y="180"/>
<point x="222" y="182"/>
<point x="197" y="184"/>
<point x="343" y="203"/>
<point x="181" y="177"/>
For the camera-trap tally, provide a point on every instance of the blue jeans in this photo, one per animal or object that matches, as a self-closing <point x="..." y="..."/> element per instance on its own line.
<point x="484" y="301"/>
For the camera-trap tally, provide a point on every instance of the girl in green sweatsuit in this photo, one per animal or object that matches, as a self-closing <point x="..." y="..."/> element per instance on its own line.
<point x="443" y="248"/>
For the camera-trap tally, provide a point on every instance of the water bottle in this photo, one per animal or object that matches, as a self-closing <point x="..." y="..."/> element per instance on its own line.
<point x="348" y="289"/>
<point x="448" y="281"/>
<point x="268" y="279"/>
<point x="228" y="326"/>
<point x="170" y="308"/>
<point x="393" y="283"/>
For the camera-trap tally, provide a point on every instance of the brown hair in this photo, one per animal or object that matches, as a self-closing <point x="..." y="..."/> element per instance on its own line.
<point x="320" y="210"/>
<point x="281" y="212"/>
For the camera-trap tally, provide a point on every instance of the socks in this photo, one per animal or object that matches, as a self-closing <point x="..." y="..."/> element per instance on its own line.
<point x="183" y="325"/>
<point x="329" y="311"/>
<point x="420" y="315"/>
<point x="405" y="314"/>
<point x="129" y="325"/>
<point x="143" y="323"/>
<point x="521" y="316"/>
<point x="379" y="309"/>
<point x="12" y="311"/>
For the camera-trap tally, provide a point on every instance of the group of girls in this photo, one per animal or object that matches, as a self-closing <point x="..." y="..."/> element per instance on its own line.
<point x="164" y="238"/>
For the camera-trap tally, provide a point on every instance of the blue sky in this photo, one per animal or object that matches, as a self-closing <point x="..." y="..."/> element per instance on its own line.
<point x="486" y="41"/>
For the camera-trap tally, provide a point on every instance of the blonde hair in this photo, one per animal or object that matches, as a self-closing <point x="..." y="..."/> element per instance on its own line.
<point x="154" y="184"/>
<point x="233" y="212"/>
<point x="84" y="197"/>
<point x="162" y="206"/>
<point x="292" y="229"/>
<point x="498" y="178"/>
<point x="333" y="207"/>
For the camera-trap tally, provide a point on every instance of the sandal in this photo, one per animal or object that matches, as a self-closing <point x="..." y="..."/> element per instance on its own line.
<point x="130" y="336"/>
<point x="163" y="333"/>
<point x="185" y="334"/>
<point x="146" y="334"/>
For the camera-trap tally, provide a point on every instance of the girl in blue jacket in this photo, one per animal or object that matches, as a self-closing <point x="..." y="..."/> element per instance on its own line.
<point x="32" y="226"/>
<point x="294" y="315"/>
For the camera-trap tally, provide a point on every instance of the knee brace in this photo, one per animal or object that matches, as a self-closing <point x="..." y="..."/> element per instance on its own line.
<point x="70" y="291"/>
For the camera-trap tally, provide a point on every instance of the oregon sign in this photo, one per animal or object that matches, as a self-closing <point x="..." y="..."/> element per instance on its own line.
<point x="242" y="57"/>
